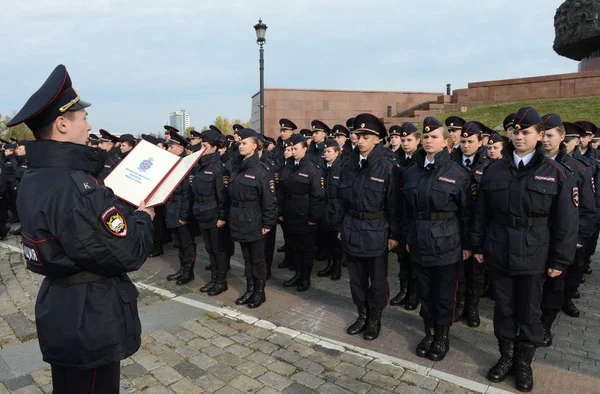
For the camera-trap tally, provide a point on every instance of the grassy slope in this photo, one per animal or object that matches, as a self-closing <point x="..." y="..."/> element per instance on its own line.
<point x="572" y="109"/>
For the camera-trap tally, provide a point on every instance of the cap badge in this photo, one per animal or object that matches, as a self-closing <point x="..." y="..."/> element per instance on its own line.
<point x="465" y="134"/>
<point x="362" y="125"/>
<point x="517" y="126"/>
<point x="404" y="134"/>
<point x="427" y="129"/>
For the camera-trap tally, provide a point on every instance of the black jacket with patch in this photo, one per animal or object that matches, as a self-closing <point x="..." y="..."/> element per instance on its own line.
<point x="209" y="187"/>
<point x="480" y="162"/>
<point x="331" y="176"/>
<point x="179" y="205"/>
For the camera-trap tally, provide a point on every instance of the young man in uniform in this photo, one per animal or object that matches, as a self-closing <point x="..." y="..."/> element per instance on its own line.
<point x="85" y="245"/>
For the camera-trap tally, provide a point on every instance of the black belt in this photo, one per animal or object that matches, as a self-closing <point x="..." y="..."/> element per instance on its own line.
<point x="296" y="196"/>
<point x="205" y="198"/>
<point x="245" y="204"/>
<point x="516" y="222"/>
<point x="433" y="215"/>
<point x="79" y="278"/>
<point x="366" y="215"/>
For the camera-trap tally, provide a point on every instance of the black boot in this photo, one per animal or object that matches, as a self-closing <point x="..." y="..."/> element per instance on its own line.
<point x="157" y="251"/>
<point x="401" y="296"/>
<point x="569" y="308"/>
<point x="220" y="284"/>
<point x="425" y="344"/>
<point x="586" y="267"/>
<point x="304" y="282"/>
<point x="459" y="309"/>
<point x="441" y="343"/>
<point x="211" y="282"/>
<point x="208" y="267"/>
<point x="505" y="364"/>
<point x="576" y="295"/>
<point x="294" y="281"/>
<point x="16" y="231"/>
<point x="411" y="302"/>
<point x="547" y="320"/>
<point x="328" y="270"/>
<point x="336" y="273"/>
<point x="281" y="249"/>
<point x="187" y="275"/>
<point x="361" y="321"/>
<point x="473" y="311"/>
<point x="258" y="297"/>
<point x="176" y="275"/>
<point x="524" y="375"/>
<point x="373" y="324"/>
<point x="4" y="232"/>
<point x="243" y="300"/>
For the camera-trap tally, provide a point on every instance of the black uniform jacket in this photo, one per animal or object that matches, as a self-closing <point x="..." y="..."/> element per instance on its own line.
<point x="315" y="154"/>
<point x="368" y="204"/>
<point x="346" y="151"/>
<point x="526" y="220"/>
<point x="479" y="162"/>
<point x="179" y="205"/>
<point x="253" y="202"/>
<point x="10" y="165"/>
<point x="71" y="223"/>
<point x="112" y="160"/>
<point x="301" y="196"/>
<point x="593" y="164"/>
<point x="21" y="168"/>
<point x="209" y="186"/>
<point x="437" y="207"/>
<point x="331" y="176"/>
<point x="584" y="181"/>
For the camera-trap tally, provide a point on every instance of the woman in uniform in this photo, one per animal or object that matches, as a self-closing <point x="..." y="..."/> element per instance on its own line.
<point x="252" y="214"/>
<point x="301" y="208"/>
<point x="495" y="146"/>
<point x="211" y="209"/>
<point x="525" y="229"/>
<point x="128" y="142"/>
<point x="437" y="204"/>
<point x="328" y="227"/>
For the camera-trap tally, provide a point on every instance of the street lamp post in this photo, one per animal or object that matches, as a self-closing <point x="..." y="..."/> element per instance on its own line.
<point x="261" y="29"/>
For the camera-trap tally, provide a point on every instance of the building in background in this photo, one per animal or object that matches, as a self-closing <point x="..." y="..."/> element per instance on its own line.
<point x="179" y="119"/>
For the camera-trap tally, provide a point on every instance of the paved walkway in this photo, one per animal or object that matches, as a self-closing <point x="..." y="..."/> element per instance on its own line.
<point x="169" y="312"/>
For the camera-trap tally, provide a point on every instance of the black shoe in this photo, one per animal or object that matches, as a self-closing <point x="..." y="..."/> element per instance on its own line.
<point x="294" y="281"/>
<point x="303" y="285"/>
<point x="505" y="364"/>
<point x="361" y="322"/>
<point x="411" y="302"/>
<point x="587" y="270"/>
<point x="459" y="309"/>
<point x="425" y="344"/>
<point x="207" y="267"/>
<point x="401" y="296"/>
<point x="327" y="271"/>
<point x="220" y="284"/>
<point x="472" y="312"/>
<point x="524" y="375"/>
<point x="4" y="232"/>
<point x="187" y="276"/>
<point x="576" y="295"/>
<point x="569" y="308"/>
<point x="14" y="219"/>
<point x="243" y="300"/>
<point x="156" y="253"/>
<point x="176" y="275"/>
<point x="281" y="249"/>
<point x="258" y="297"/>
<point x="211" y="282"/>
<point x="373" y="324"/>
<point x="441" y="343"/>
<point x="16" y="231"/>
<point x="547" y="320"/>
<point x="336" y="274"/>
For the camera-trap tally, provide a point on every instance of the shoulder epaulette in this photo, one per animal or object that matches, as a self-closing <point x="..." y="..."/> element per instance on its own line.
<point x="85" y="183"/>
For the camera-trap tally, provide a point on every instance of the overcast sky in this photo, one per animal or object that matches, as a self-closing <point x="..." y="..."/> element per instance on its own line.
<point x="138" y="60"/>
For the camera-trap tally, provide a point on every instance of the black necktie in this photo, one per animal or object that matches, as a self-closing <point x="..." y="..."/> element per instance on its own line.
<point x="362" y="163"/>
<point x="521" y="165"/>
<point x="467" y="162"/>
<point x="429" y="167"/>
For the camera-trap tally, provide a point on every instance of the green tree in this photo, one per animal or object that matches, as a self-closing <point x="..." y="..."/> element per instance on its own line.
<point x="20" y="132"/>
<point x="187" y="131"/>
<point x="226" y="125"/>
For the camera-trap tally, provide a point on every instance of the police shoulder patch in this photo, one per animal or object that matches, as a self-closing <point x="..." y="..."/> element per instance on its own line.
<point x="272" y="186"/>
<point x="225" y="180"/>
<point x="322" y="183"/>
<point x="576" y="196"/>
<point x="114" y="221"/>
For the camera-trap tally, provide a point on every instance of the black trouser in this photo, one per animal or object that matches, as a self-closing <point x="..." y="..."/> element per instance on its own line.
<point x="270" y="247"/>
<point x="406" y="270"/>
<point x="3" y="212"/>
<point x="159" y="227"/>
<point x="332" y="244"/>
<point x="254" y="259"/>
<point x="368" y="280"/>
<point x="517" y="316"/>
<point x="12" y="199"/>
<point x="216" y="243"/>
<point x="591" y="247"/>
<point x="575" y="273"/>
<point x="301" y="251"/>
<point x="553" y="293"/>
<point x="436" y="290"/>
<point x="182" y="236"/>
<point x="474" y="277"/>
<point x="101" y="380"/>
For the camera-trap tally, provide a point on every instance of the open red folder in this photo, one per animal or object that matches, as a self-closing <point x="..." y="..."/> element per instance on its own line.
<point x="150" y="174"/>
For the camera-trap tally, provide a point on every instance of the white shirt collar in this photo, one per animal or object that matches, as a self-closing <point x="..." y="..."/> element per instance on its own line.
<point x="468" y="157"/>
<point x="296" y="162"/>
<point x="407" y="156"/>
<point x="526" y="159"/>
<point x="552" y="158"/>
<point x="428" y="162"/>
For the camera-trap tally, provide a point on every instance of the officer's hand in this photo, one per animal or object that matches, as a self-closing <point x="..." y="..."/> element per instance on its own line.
<point x="467" y="254"/>
<point x="265" y="230"/>
<point x="579" y="246"/>
<point x="392" y="243"/>
<point x="340" y="236"/>
<point x="553" y="273"/>
<point x="182" y="222"/>
<point x="281" y="218"/>
<point x="149" y="211"/>
<point x="407" y="248"/>
<point x="221" y="223"/>
<point x="479" y="258"/>
<point x="311" y="223"/>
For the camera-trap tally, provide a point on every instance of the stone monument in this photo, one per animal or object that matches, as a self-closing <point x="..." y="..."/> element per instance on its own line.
<point x="577" y="29"/>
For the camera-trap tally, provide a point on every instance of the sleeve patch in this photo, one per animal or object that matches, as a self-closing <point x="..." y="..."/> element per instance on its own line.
<point x="576" y="196"/>
<point x="474" y="191"/>
<point x="272" y="186"/>
<point x="593" y="185"/>
<point x="322" y="183"/>
<point x="225" y="180"/>
<point x="114" y="221"/>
